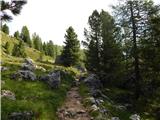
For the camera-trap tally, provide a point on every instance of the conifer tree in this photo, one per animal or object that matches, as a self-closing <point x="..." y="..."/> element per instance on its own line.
<point x="17" y="35"/>
<point x="93" y="41"/>
<point x="37" y="42"/>
<point x="25" y="36"/>
<point x="19" y="50"/>
<point x="70" y="53"/>
<point x="111" y="54"/>
<point x="5" y="29"/>
<point x="134" y="18"/>
<point x="15" y="6"/>
<point x="8" y="48"/>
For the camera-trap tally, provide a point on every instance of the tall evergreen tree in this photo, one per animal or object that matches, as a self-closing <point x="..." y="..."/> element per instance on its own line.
<point x="17" y="35"/>
<point x="103" y="53"/>
<point x="19" y="50"/>
<point x="93" y="41"/>
<point x="25" y="36"/>
<point x="70" y="53"/>
<point x="150" y="50"/>
<point x="50" y="49"/>
<point x="5" y="29"/>
<point x="37" y="42"/>
<point x="133" y="16"/>
<point x="8" y="48"/>
<point x="111" y="54"/>
<point x="44" y="48"/>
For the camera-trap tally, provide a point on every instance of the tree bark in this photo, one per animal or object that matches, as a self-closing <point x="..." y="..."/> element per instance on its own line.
<point x="136" y="59"/>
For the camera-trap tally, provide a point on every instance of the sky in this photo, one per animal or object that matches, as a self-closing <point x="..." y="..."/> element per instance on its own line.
<point x="51" y="18"/>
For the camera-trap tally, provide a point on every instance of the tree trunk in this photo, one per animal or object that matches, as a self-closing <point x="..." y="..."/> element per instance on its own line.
<point x="136" y="59"/>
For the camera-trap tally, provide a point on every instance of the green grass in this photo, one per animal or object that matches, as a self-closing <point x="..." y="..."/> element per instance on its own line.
<point x="34" y="96"/>
<point x="83" y="90"/>
<point x="31" y="52"/>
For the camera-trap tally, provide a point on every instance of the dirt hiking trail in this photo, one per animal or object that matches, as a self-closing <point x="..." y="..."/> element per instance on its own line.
<point x="73" y="108"/>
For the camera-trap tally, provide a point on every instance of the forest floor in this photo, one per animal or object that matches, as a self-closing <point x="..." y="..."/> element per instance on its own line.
<point x="73" y="108"/>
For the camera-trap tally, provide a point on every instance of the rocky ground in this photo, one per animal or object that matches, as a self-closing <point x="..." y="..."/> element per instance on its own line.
<point x="85" y="99"/>
<point x="73" y="108"/>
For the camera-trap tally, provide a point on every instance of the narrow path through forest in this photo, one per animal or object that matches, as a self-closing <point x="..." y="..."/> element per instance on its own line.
<point x="73" y="108"/>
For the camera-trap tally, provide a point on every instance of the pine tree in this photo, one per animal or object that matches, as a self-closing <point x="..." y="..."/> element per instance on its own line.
<point x="111" y="54"/>
<point x="19" y="50"/>
<point x="93" y="41"/>
<point x="17" y="35"/>
<point x="5" y="29"/>
<point x="134" y="16"/>
<point x="103" y="53"/>
<point x="37" y="42"/>
<point x="70" y="53"/>
<point x="150" y="50"/>
<point x="50" y="49"/>
<point x="44" y="48"/>
<point x="14" y="6"/>
<point x="8" y="48"/>
<point x="25" y="36"/>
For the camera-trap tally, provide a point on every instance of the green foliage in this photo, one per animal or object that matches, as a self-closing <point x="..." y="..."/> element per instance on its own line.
<point x="5" y="29"/>
<point x="141" y="43"/>
<point x="111" y="53"/>
<point x="30" y="52"/>
<point x="17" y="35"/>
<point x="70" y="53"/>
<point x="25" y="36"/>
<point x="83" y="90"/>
<point x="8" y="48"/>
<point x="124" y="51"/>
<point x="41" y="57"/>
<point x="36" y="96"/>
<point x="93" y="42"/>
<point x="103" y="54"/>
<point x="50" y="49"/>
<point x="19" y="50"/>
<point x="14" y="7"/>
<point x="37" y="42"/>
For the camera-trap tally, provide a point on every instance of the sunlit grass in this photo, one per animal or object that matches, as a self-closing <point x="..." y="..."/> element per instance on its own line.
<point x="34" y="96"/>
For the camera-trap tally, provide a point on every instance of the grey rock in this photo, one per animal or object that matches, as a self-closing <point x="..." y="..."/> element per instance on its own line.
<point x="8" y="94"/>
<point x="21" y="115"/>
<point x="29" y="67"/>
<point x="24" y="74"/>
<point x="95" y="92"/>
<point x="29" y="61"/>
<point x="104" y="111"/>
<point x="135" y="117"/>
<point x="93" y="82"/>
<point x="94" y="108"/>
<point x="53" y="79"/>
<point x="99" y="101"/>
<point x="115" y="118"/>
<point x="91" y="100"/>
